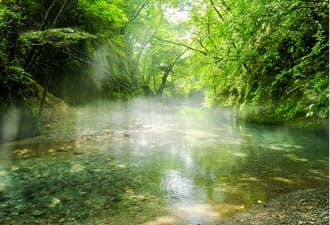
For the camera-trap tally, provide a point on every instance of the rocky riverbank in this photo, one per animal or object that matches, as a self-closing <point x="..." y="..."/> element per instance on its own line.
<point x="305" y="207"/>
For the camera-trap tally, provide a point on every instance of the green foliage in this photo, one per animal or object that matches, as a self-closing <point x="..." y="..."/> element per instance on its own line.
<point x="56" y="37"/>
<point x="270" y="55"/>
<point x="56" y="42"/>
<point x="18" y="81"/>
<point x="16" y="87"/>
<point x="5" y="15"/>
<point x="158" y="40"/>
<point x="105" y="10"/>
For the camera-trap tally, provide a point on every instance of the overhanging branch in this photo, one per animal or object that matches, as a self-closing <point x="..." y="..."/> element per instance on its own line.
<point x="180" y="44"/>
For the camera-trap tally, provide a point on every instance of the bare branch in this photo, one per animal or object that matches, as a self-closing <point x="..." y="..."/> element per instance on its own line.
<point x="60" y="12"/>
<point x="43" y="23"/>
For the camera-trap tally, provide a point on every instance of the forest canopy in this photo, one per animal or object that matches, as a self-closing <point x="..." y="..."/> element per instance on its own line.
<point x="266" y="58"/>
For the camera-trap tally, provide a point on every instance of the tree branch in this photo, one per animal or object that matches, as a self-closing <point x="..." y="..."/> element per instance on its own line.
<point x="59" y="13"/>
<point x="43" y="23"/>
<point x="225" y="5"/>
<point x="138" y="11"/>
<point x="221" y="17"/>
<point x="144" y="45"/>
<point x="203" y="46"/>
<point x="216" y="10"/>
<point x="181" y="44"/>
<point x="169" y="69"/>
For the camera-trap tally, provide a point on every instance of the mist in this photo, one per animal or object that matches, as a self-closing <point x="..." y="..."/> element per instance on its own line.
<point x="150" y="119"/>
<point x="174" y="158"/>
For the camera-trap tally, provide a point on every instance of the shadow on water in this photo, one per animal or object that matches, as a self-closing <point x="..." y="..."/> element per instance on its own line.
<point x="144" y="162"/>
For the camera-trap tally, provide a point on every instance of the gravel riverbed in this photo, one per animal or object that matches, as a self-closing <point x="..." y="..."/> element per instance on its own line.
<point x="305" y="207"/>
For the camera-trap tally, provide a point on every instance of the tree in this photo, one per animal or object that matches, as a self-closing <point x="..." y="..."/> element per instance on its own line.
<point x="264" y="51"/>
<point x="155" y="58"/>
<point x="54" y="43"/>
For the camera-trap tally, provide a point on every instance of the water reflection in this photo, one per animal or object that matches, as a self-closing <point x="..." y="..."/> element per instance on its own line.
<point x="186" y="199"/>
<point x="188" y="165"/>
<point x="177" y="187"/>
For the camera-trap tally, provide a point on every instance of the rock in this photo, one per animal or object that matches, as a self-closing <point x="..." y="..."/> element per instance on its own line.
<point x="2" y="189"/>
<point x="62" y="150"/>
<point x="324" y="214"/>
<point x="37" y="212"/>
<point x="141" y="197"/>
<point x="300" y="208"/>
<point x="77" y="153"/>
<point x="54" y="203"/>
<point x="14" y="168"/>
<point x="83" y="193"/>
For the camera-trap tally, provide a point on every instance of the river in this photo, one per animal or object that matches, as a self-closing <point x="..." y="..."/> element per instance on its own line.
<point x="155" y="163"/>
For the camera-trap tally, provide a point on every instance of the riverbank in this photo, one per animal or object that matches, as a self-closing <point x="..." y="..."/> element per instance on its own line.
<point x="303" y="207"/>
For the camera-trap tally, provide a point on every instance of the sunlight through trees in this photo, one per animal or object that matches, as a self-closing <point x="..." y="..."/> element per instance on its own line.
<point x="269" y="58"/>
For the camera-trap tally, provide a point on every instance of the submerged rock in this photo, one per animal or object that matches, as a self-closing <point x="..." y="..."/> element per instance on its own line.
<point x="54" y="202"/>
<point x="4" y="180"/>
<point x="37" y="212"/>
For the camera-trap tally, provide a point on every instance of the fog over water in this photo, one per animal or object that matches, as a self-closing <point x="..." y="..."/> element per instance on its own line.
<point x="205" y="156"/>
<point x="201" y="164"/>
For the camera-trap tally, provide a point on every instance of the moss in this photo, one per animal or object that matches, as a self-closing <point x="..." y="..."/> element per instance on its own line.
<point x="57" y="37"/>
<point x="288" y="111"/>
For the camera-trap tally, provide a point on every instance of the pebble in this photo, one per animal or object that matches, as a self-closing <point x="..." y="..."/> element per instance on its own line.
<point x="37" y="212"/>
<point x="54" y="203"/>
<point x="83" y="193"/>
<point x="305" y="207"/>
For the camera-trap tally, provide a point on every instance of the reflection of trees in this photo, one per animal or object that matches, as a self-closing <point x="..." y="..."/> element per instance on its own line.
<point x="265" y="164"/>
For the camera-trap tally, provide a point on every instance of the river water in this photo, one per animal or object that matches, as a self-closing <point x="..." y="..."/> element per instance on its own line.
<point x="155" y="163"/>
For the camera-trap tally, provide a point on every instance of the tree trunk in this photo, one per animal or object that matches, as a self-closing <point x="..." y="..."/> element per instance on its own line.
<point x="43" y="99"/>
<point x="169" y="69"/>
<point x="163" y="84"/>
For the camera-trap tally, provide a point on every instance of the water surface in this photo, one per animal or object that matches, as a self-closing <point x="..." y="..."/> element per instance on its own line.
<point x="144" y="162"/>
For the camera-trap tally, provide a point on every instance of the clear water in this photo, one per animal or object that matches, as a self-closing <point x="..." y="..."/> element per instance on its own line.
<point x="143" y="162"/>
